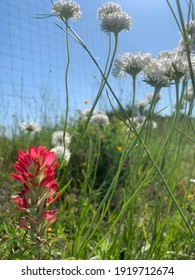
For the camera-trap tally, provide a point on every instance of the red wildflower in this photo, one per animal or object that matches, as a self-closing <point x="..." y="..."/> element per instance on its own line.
<point x="35" y="163"/>
<point x="35" y="169"/>
<point x="50" y="217"/>
<point x="49" y="214"/>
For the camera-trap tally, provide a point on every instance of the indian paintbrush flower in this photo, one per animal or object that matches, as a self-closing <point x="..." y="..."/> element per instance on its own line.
<point x="35" y="170"/>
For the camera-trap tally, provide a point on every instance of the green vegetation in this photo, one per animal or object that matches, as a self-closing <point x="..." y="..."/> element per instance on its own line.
<point x="116" y="206"/>
<point x="128" y="188"/>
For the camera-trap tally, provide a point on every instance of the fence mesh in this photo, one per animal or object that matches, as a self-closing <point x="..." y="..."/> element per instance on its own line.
<point x="33" y="60"/>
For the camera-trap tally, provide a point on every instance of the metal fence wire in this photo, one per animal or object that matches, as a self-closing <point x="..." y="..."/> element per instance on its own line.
<point x="33" y="61"/>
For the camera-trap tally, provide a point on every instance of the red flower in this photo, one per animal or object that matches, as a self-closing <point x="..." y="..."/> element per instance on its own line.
<point x="21" y="200"/>
<point x="36" y="163"/>
<point x="35" y="169"/>
<point x="50" y="217"/>
<point x="49" y="214"/>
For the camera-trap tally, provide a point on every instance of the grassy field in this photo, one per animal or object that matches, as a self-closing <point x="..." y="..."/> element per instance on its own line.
<point x="117" y="204"/>
<point x="127" y="183"/>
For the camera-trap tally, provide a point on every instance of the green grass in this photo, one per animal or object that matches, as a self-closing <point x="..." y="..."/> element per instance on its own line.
<point x="104" y="216"/>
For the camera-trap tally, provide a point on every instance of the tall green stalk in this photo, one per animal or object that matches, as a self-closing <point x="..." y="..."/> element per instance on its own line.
<point x="102" y="209"/>
<point x="66" y="82"/>
<point x="133" y="99"/>
<point x="186" y="41"/>
<point x="103" y="83"/>
<point x="76" y="37"/>
<point x="181" y="25"/>
<point x="66" y="85"/>
<point x="129" y="201"/>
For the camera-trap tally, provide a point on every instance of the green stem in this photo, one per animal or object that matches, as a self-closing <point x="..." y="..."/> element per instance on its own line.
<point x="177" y="110"/>
<point x="100" y="213"/>
<point x="66" y="84"/>
<point x="107" y="64"/>
<point x="110" y="191"/>
<point x="128" y="203"/>
<point x="174" y="15"/>
<point x="39" y="251"/>
<point x="173" y="125"/>
<point x="80" y="42"/>
<point x="183" y="31"/>
<point x="108" y="57"/>
<point x="133" y="99"/>
<point x="186" y="41"/>
<point x="105" y="77"/>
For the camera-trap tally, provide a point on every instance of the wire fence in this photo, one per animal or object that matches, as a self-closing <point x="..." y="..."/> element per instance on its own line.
<point x="33" y="60"/>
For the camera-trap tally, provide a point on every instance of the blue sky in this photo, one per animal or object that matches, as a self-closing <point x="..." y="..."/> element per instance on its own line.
<point x="33" y="56"/>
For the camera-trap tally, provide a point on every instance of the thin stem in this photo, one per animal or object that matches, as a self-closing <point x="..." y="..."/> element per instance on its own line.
<point x="110" y="191"/>
<point x="127" y="204"/>
<point x="133" y="99"/>
<point x="173" y="125"/>
<point x="107" y="63"/>
<point x="105" y="77"/>
<point x="108" y="57"/>
<point x="39" y="251"/>
<point x="190" y="10"/>
<point x="174" y="15"/>
<point x="101" y="210"/>
<point x="66" y="84"/>
<point x="76" y="37"/>
<point x="177" y="109"/>
<point x="186" y="41"/>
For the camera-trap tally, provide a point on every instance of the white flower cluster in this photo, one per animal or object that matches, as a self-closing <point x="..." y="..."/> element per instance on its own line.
<point x="30" y="127"/>
<point x="168" y="66"/>
<point x="130" y="63"/>
<point x="139" y="120"/>
<point x="62" y="153"/>
<point x="142" y="104"/>
<point x="84" y="114"/>
<point x="64" y="9"/>
<point x="191" y="31"/>
<point x="98" y="117"/>
<point x="58" y="138"/>
<point x="113" y="18"/>
<point x="174" y="63"/>
<point x="61" y="142"/>
<point x="190" y="28"/>
<point x="155" y="74"/>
